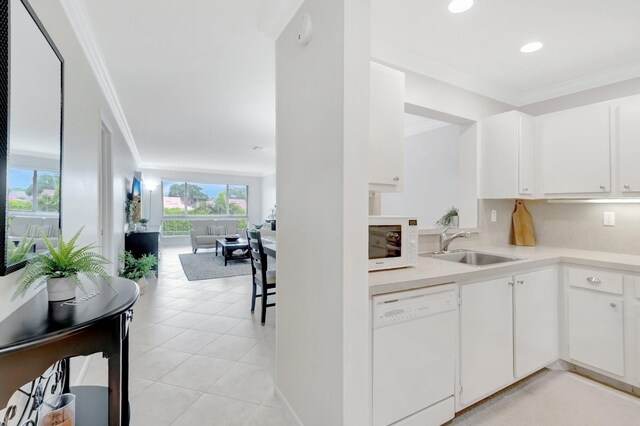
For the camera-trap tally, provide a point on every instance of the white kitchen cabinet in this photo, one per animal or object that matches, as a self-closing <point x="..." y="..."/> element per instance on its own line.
<point x="486" y="338"/>
<point x="628" y="126"/>
<point x="596" y="329"/>
<point x="535" y="314"/>
<point x="575" y="148"/>
<point x="507" y="156"/>
<point x="386" y="129"/>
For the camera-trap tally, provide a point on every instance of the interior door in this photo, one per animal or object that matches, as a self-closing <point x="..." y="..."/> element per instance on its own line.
<point x="486" y="338"/>
<point x="535" y="320"/>
<point x="106" y="195"/>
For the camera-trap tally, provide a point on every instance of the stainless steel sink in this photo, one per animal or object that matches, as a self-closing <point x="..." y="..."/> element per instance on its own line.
<point x="472" y="257"/>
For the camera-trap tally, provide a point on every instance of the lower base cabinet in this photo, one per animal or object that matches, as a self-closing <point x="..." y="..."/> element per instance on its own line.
<point x="596" y="329"/>
<point x="535" y="312"/>
<point x="486" y="338"/>
<point x="508" y="330"/>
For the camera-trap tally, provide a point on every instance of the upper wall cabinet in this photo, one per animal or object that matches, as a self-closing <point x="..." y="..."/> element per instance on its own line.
<point x="627" y="115"/>
<point x="575" y="147"/>
<point x="507" y="152"/>
<point x="386" y="129"/>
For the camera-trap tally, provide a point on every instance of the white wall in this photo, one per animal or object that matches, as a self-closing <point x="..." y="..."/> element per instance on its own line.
<point x="432" y="176"/>
<point x="425" y="92"/>
<point x="157" y="176"/>
<point x="268" y="195"/>
<point x="322" y="124"/>
<point x="82" y="115"/>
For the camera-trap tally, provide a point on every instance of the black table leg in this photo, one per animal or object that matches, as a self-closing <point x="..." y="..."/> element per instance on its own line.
<point x="115" y="387"/>
<point x="126" y="408"/>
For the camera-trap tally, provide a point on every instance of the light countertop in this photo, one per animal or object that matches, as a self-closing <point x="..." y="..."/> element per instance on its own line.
<point x="430" y="271"/>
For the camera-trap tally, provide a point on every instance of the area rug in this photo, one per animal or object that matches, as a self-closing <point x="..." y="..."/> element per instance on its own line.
<point x="206" y="266"/>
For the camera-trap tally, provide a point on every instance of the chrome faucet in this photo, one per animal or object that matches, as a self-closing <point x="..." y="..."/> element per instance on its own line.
<point x="445" y="240"/>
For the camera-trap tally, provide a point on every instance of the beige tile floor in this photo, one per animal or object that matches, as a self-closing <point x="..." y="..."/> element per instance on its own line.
<point x="198" y="356"/>
<point x="555" y="398"/>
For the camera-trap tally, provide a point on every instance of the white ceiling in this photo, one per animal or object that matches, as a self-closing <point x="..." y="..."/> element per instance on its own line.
<point x="588" y="43"/>
<point x="195" y="79"/>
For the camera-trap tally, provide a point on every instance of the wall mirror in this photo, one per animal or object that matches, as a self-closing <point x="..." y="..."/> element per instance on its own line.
<point x="439" y="167"/>
<point x="31" y="146"/>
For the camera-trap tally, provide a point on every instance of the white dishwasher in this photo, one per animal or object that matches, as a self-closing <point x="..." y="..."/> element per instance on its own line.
<point x="414" y="352"/>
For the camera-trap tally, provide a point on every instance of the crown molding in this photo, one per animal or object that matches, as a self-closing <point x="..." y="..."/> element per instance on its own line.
<point x="394" y="54"/>
<point x="590" y="81"/>
<point x="81" y="24"/>
<point x="420" y="128"/>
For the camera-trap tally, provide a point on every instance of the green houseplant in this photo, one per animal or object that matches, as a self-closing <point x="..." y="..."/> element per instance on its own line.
<point x="133" y="268"/>
<point x="60" y="268"/>
<point x="450" y="218"/>
<point x="18" y="252"/>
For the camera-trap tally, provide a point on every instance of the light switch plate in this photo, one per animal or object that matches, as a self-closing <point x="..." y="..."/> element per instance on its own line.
<point x="609" y="218"/>
<point x="494" y="216"/>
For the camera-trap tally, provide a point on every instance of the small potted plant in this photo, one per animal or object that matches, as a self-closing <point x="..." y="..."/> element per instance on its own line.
<point x="137" y="269"/>
<point x="450" y="218"/>
<point x="143" y="224"/>
<point x="60" y="268"/>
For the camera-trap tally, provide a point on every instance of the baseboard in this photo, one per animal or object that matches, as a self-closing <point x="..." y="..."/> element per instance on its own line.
<point x="287" y="408"/>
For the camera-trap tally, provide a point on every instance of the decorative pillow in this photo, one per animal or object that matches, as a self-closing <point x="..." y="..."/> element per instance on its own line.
<point x="217" y="230"/>
<point x="47" y="230"/>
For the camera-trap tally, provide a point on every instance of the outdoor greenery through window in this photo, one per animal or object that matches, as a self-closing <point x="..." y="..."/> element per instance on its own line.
<point x="22" y="197"/>
<point x="187" y="199"/>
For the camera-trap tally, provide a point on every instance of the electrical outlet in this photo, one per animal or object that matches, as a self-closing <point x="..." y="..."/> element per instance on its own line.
<point x="494" y="216"/>
<point x="609" y="218"/>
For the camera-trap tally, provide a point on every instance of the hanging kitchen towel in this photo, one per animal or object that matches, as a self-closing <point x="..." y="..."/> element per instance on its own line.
<point x="521" y="226"/>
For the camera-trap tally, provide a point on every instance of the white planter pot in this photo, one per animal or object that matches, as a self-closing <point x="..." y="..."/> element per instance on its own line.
<point x="142" y="283"/>
<point x="60" y="289"/>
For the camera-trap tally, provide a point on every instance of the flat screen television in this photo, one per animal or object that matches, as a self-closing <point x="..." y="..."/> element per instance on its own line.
<point x="136" y="197"/>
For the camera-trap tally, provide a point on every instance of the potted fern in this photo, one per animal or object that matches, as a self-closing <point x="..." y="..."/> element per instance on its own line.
<point x="60" y="268"/>
<point x="137" y="269"/>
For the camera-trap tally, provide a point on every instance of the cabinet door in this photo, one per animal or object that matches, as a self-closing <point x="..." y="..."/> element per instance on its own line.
<point x="386" y="128"/>
<point x="596" y="330"/>
<point x="486" y="338"/>
<point x="526" y="155"/>
<point x="629" y="145"/>
<point x="536" y="321"/>
<point x="575" y="146"/>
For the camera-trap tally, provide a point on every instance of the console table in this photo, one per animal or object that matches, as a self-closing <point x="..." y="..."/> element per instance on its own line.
<point x="140" y="243"/>
<point x="40" y="333"/>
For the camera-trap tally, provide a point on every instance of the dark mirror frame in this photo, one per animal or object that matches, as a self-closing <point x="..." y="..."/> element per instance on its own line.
<point x="5" y="108"/>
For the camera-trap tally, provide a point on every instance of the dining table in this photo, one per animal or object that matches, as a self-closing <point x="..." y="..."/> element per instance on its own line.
<point x="269" y="248"/>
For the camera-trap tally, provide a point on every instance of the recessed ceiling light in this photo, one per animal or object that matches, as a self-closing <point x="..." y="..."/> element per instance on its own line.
<point x="534" y="46"/>
<point x="459" y="6"/>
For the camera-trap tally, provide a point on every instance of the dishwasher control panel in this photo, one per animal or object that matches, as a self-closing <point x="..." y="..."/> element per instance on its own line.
<point x="403" y="306"/>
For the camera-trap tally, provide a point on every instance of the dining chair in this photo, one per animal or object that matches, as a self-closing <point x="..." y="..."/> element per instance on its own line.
<point x="261" y="275"/>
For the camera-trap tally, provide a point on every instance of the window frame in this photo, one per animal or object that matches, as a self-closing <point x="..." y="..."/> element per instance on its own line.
<point x="185" y="214"/>
<point x="34" y="194"/>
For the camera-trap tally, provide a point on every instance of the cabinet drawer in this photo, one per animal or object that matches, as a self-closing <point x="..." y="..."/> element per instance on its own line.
<point x="595" y="279"/>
